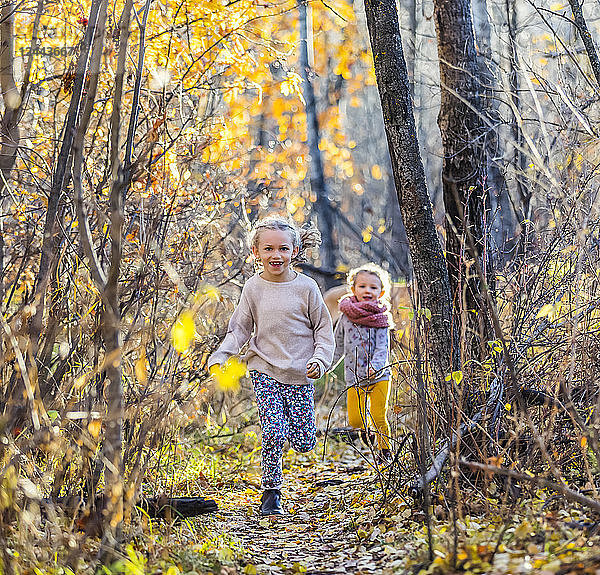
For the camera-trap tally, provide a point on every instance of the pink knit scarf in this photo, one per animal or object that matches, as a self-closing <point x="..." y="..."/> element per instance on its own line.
<point x="368" y="313"/>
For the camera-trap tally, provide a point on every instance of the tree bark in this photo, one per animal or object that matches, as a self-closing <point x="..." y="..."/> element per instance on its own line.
<point x="9" y="128"/>
<point x="462" y="127"/>
<point x="523" y="208"/>
<point x="393" y="216"/>
<point x="502" y="218"/>
<point x="587" y="39"/>
<point x="111" y="328"/>
<point x="410" y="47"/>
<point x="10" y="135"/>
<point x="318" y="183"/>
<point x="429" y="265"/>
<point x="49" y="240"/>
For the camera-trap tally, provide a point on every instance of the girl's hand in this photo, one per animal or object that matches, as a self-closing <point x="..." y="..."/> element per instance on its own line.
<point x="312" y="370"/>
<point x="371" y="372"/>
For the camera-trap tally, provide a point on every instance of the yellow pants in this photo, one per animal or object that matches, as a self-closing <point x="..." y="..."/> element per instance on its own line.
<point x="361" y="416"/>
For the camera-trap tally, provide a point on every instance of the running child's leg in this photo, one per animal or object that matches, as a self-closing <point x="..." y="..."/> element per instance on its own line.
<point x="300" y="412"/>
<point x="271" y="412"/>
<point x="378" y="396"/>
<point x="356" y="401"/>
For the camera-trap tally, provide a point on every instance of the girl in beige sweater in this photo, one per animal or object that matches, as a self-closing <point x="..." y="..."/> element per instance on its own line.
<point x="282" y="317"/>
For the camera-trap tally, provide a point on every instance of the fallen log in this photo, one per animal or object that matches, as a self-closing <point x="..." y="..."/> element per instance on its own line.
<point x="88" y="517"/>
<point x="177" y="507"/>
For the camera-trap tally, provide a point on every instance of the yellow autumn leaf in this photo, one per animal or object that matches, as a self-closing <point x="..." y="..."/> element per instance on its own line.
<point x="95" y="427"/>
<point x="80" y="382"/>
<point x="210" y="292"/>
<point x="523" y="530"/>
<point x="141" y="370"/>
<point x="227" y="375"/>
<point x="292" y="85"/>
<point x="174" y="170"/>
<point x="183" y="332"/>
<point x="545" y="310"/>
<point x="376" y="172"/>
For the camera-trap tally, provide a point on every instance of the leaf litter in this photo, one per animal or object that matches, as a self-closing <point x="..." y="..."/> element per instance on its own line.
<point x="337" y="521"/>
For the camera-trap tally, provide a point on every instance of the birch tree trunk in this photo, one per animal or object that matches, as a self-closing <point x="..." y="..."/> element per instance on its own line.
<point x="318" y="183"/>
<point x="429" y="265"/>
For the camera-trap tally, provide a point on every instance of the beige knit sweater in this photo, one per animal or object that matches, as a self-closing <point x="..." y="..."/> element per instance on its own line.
<point x="288" y="326"/>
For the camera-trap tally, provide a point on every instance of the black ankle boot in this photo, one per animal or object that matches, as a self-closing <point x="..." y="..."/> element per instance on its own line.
<point x="270" y="502"/>
<point x="368" y="437"/>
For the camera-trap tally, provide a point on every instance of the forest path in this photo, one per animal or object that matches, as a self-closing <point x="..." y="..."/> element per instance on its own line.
<point x="329" y="526"/>
<point x="336" y="522"/>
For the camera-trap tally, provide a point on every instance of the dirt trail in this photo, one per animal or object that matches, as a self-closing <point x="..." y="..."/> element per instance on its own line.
<point x="330" y="506"/>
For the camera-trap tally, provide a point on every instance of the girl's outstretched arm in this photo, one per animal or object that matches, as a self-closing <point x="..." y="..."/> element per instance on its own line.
<point x="239" y="331"/>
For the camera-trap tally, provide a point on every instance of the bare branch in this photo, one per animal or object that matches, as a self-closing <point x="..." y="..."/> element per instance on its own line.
<point x="570" y="494"/>
<point x="587" y="39"/>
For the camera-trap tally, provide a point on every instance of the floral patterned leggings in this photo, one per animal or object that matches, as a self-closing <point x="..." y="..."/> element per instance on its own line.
<point x="285" y="412"/>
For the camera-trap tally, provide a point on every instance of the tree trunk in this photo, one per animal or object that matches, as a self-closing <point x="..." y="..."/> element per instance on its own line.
<point x="464" y="173"/>
<point x="111" y="328"/>
<point x="14" y="103"/>
<point x="318" y="184"/>
<point x="587" y="39"/>
<point x="9" y="128"/>
<point x="410" y="47"/>
<point x="518" y="162"/>
<point x="49" y="240"/>
<point x="429" y="265"/>
<point x="502" y="218"/>
<point x="398" y="233"/>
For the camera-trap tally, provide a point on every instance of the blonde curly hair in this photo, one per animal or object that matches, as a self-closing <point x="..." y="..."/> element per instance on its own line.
<point x="304" y="238"/>
<point x="379" y="272"/>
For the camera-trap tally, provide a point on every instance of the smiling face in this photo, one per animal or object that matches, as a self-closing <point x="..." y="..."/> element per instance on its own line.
<point x="275" y="250"/>
<point x="367" y="287"/>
